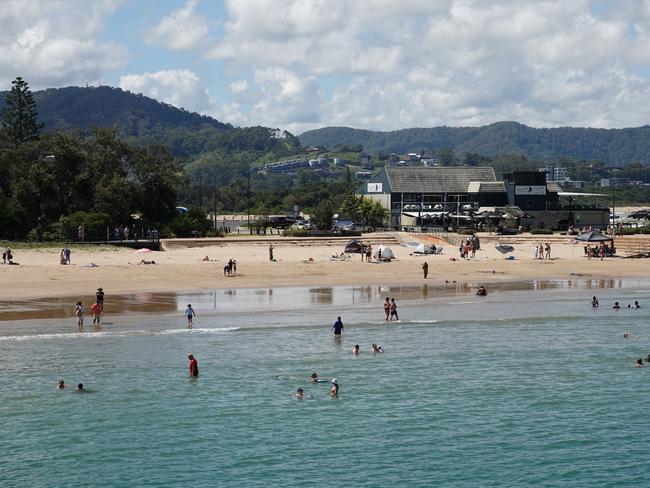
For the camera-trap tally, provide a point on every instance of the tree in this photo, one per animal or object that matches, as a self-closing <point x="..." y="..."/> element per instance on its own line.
<point x="446" y="157"/>
<point x="20" y="115"/>
<point x="323" y="215"/>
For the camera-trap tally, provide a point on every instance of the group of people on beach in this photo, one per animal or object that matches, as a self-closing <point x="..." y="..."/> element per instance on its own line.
<point x="468" y="247"/>
<point x="601" y="250"/>
<point x="542" y="251"/>
<point x="97" y="309"/>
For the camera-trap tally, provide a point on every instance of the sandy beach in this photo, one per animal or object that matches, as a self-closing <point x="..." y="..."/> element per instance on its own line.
<point x="181" y="268"/>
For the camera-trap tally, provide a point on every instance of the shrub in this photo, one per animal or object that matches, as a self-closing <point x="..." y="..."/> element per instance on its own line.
<point x="191" y="224"/>
<point x="95" y="225"/>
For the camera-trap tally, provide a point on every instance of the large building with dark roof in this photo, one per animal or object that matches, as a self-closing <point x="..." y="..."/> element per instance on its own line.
<point x="427" y="195"/>
<point x="456" y="196"/>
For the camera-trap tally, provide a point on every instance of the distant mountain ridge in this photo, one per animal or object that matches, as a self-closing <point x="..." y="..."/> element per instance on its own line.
<point x="612" y="146"/>
<point x="143" y="120"/>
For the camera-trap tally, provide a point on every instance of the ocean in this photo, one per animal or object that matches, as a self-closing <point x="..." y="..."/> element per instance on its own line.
<point x="529" y="386"/>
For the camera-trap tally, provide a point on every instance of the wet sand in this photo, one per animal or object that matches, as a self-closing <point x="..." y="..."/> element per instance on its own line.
<point x="251" y="300"/>
<point x="41" y="279"/>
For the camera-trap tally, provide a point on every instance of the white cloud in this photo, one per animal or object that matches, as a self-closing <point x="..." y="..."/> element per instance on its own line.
<point x="53" y="42"/>
<point x="239" y="86"/>
<point x="179" y="87"/>
<point x="182" y="88"/>
<point x="454" y="62"/>
<point x="181" y="29"/>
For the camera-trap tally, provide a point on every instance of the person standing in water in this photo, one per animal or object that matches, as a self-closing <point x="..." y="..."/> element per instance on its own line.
<point x="355" y="350"/>
<point x="100" y="296"/>
<point x="189" y="313"/>
<point x="194" y="366"/>
<point x="337" y="327"/>
<point x="393" y="309"/>
<point x="387" y="307"/>
<point x="97" y="310"/>
<point x="79" y="313"/>
<point x="335" y="388"/>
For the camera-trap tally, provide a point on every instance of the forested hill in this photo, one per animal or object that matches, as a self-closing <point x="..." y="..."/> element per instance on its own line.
<point x="612" y="146"/>
<point x="142" y="120"/>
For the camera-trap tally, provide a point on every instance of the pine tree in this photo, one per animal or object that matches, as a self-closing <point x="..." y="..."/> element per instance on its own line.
<point x="19" y="118"/>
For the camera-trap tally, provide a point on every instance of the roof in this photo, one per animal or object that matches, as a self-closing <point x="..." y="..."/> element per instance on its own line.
<point x="437" y="179"/>
<point x="553" y="187"/>
<point x="486" y="187"/>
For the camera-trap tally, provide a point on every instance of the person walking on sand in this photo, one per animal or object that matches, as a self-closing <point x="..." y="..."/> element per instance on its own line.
<point x="547" y="248"/>
<point x="387" y="307"/>
<point x="425" y="269"/>
<point x="189" y="313"/>
<point x="97" y="309"/>
<point x="393" y="309"/>
<point x="271" y="252"/>
<point x="79" y="313"/>
<point x="194" y="366"/>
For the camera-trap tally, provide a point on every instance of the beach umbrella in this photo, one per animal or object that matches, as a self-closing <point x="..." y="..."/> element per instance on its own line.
<point x="593" y="236"/>
<point x="143" y="250"/>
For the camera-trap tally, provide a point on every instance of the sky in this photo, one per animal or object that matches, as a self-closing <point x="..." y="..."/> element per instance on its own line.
<point x="372" y="64"/>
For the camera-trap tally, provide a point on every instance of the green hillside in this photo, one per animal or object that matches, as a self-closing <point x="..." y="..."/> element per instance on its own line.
<point x="142" y="120"/>
<point x="612" y="146"/>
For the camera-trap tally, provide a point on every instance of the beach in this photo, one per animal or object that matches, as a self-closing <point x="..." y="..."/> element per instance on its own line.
<point x="469" y="391"/>
<point x="180" y="268"/>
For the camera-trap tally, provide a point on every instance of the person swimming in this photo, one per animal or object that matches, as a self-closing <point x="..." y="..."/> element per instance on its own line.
<point x="61" y="384"/>
<point x="636" y="305"/>
<point x="335" y="388"/>
<point x="376" y="348"/>
<point x="639" y="363"/>
<point x="300" y="394"/>
<point x="481" y="291"/>
<point x="315" y="379"/>
<point x="616" y="305"/>
<point x="356" y="350"/>
<point x="80" y="387"/>
<point x="594" y="302"/>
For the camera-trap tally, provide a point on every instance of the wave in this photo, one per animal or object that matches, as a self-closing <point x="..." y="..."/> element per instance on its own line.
<point x="113" y="334"/>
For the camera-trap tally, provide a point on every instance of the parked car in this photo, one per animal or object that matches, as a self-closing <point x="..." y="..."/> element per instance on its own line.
<point x="353" y="226"/>
<point x="281" y="222"/>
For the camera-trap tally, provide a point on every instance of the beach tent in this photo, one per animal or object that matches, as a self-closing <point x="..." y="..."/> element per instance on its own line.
<point x="593" y="236"/>
<point x="386" y="252"/>
<point x="504" y="248"/>
<point x="423" y="249"/>
<point x="355" y="246"/>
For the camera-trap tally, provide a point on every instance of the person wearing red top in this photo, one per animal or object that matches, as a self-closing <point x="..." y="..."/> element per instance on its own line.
<point x="97" y="310"/>
<point x="194" y="365"/>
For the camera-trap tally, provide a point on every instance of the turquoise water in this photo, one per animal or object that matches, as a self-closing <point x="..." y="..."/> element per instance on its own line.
<point x="520" y="388"/>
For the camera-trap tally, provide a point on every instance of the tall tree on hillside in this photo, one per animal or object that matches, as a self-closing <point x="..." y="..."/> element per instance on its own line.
<point x="19" y="118"/>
